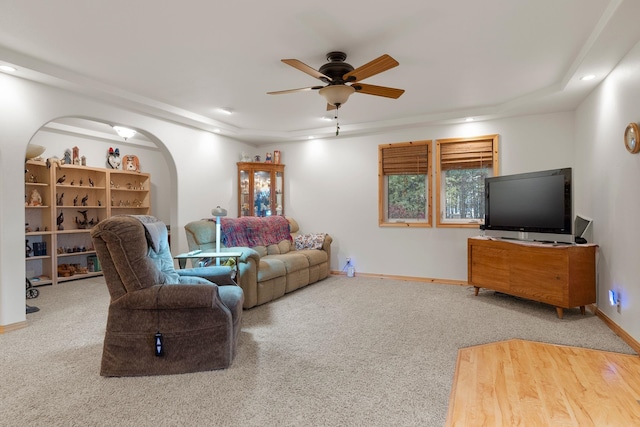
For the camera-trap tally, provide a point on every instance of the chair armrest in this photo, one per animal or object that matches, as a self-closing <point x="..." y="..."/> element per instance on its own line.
<point x="220" y="275"/>
<point x="170" y="297"/>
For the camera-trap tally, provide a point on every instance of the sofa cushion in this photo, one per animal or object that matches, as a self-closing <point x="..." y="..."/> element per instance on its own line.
<point x="309" y="241"/>
<point x="292" y="261"/>
<point x="281" y="248"/>
<point x="270" y="268"/>
<point x="314" y="256"/>
<point x="262" y="250"/>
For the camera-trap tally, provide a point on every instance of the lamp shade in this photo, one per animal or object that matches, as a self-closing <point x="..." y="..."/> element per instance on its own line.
<point x="336" y="94"/>
<point x="218" y="211"/>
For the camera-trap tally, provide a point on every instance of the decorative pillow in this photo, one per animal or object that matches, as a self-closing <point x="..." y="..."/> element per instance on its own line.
<point x="309" y="241"/>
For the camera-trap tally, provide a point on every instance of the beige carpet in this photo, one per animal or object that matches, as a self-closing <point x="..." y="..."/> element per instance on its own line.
<point x="341" y="352"/>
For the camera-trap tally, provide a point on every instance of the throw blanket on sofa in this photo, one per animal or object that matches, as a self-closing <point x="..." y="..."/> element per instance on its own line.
<point x="253" y="231"/>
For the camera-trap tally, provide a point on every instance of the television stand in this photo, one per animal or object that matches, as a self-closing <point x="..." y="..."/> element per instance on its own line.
<point x="560" y="275"/>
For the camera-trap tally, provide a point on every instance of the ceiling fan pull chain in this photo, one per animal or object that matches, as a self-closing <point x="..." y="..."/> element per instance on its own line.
<point x="337" y="121"/>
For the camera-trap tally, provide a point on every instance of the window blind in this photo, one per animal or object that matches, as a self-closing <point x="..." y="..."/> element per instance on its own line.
<point x="466" y="155"/>
<point x="405" y="159"/>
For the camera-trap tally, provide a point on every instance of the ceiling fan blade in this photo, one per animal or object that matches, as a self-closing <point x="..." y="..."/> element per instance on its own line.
<point x="302" y="89"/>
<point x="378" y="65"/>
<point x="306" y="69"/>
<point x="388" y="92"/>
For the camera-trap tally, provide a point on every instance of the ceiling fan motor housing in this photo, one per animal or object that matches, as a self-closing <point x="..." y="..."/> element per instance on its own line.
<point x="336" y="67"/>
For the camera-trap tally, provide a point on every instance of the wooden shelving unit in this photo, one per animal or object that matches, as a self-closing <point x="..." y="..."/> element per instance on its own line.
<point x="73" y="199"/>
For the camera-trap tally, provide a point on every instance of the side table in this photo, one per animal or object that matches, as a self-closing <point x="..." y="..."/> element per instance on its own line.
<point x="182" y="258"/>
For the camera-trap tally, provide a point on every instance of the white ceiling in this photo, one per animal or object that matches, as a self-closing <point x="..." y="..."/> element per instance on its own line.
<point x="182" y="60"/>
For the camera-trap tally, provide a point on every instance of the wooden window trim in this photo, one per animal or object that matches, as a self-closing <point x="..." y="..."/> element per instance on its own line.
<point x="421" y="168"/>
<point x="471" y="160"/>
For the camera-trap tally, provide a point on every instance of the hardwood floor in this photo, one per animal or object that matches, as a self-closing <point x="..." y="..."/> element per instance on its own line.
<point x="525" y="383"/>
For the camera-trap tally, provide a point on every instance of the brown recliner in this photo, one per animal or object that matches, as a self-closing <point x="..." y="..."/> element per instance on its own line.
<point x="161" y="320"/>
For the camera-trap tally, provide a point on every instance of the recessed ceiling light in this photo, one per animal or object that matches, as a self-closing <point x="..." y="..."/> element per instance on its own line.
<point x="310" y="137"/>
<point x="588" y="77"/>
<point x="327" y="118"/>
<point x="217" y="130"/>
<point x="469" y="119"/>
<point x="8" y="69"/>
<point x="228" y="111"/>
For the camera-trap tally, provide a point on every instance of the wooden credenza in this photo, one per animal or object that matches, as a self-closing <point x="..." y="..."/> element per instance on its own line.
<point x="560" y="275"/>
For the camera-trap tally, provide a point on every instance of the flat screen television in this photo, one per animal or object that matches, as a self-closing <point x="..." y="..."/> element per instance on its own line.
<point x="538" y="202"/>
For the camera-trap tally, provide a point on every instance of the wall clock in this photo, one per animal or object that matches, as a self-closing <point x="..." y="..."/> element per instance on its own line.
<point x="631" y="138"/>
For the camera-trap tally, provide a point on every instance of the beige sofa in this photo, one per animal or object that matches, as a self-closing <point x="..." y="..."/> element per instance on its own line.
<point x="271" y="270"/>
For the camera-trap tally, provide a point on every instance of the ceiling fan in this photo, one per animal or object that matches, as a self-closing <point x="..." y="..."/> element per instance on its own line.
<point x="342" y="79"/>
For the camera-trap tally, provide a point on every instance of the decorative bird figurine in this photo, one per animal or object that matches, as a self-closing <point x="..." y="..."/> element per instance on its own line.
<point x="91" y="183"/>
<point x="84" y="200"/>
<point x="59" y="221"/>
<point x="75" y="201"/>
<point x="61" y="179"/>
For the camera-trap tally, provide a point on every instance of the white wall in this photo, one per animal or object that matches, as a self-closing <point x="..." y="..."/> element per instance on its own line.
<point x="608" y="175"/>
<point x="331" y="185"/>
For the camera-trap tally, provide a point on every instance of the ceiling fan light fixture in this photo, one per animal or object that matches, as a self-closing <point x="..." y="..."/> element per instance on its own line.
<point x="336" y="94"/>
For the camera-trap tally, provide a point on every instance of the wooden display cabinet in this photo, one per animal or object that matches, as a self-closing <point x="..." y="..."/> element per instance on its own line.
<point x="560" y="275"/>
<point x="260" y="189"/>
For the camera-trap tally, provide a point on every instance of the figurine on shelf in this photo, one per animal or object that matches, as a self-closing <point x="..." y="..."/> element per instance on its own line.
<point x="83" y="161"/>
<point x="75" y="201"/>
<point x="131" y="163"/>
<point x="67" y="157"/>
<point x="245" y="157"/>
<point x="84" y="200"/>
<point x="61" y="179"/>
<point x="113" y="158"/>
<point x="84" y="222"/>
<point x="276" y="157"/>
<point x="76" y="156"/>
<point x="59" y="221"/>
<point x="53" y="161"/>
<point x="28" y="249"/>
<point x="59" y="199"/>
<point x="36" y="198"/>
<point x="256" y="159"/>
<point x="91" y="183"/>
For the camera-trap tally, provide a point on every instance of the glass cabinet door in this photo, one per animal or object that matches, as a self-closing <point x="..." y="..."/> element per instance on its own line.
<point x="245" y="197"/>
<point x="279" y="200"/>
<point x="260" y="189"/>
<point x="262" y="193"/>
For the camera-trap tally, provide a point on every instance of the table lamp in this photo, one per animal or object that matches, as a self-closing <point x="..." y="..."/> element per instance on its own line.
<point x="218" y="212"/>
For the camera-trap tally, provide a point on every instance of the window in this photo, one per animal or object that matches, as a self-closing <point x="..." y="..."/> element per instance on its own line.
<point x="462" y="164"/>
<point x="404" y="184"/>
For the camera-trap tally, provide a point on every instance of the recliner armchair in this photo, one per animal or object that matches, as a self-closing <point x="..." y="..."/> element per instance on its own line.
<point x="198" y="318"/>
